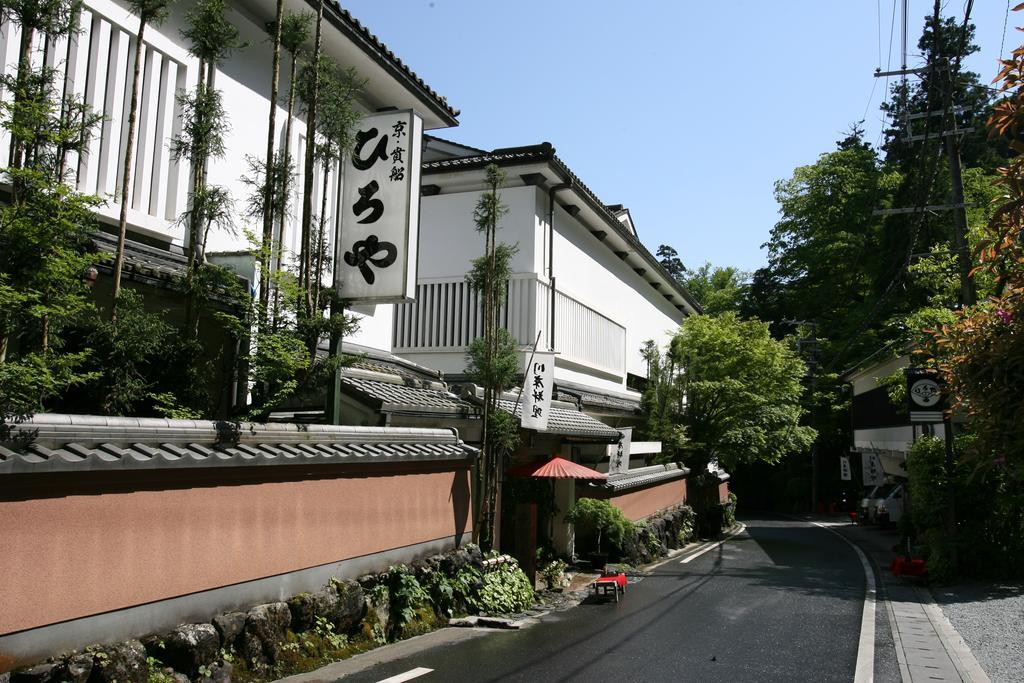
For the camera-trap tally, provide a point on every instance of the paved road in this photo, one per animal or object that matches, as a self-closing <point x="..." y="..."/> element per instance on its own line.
<point x="781" y="601"/>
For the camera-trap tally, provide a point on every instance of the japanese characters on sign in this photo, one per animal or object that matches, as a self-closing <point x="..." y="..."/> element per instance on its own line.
<point x="377" y="241"/>
<point x="871" y="469"/>
<point x="925" y="397"/>
<point x="619" y="453"/>
<point x="540" y="379"/>
<point x="844" y="468"/>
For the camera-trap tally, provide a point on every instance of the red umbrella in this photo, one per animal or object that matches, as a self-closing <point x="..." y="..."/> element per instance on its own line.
<point x="556" y="468"/>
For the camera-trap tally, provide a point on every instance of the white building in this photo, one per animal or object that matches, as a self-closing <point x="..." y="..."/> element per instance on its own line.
<point x="96" y="64"/>
<point x="581" y="277"/>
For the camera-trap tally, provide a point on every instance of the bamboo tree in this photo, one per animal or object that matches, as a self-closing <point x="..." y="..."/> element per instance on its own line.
<point x="493" y="358"/>
<point x="212" y="39"/>
<point x="268" y="181"/>
<point x="149" y="12"/>
<point x="45" y="223"/>
<point x="294" y="34"/>
<point x="312" y="103"/>
<point x="47" y="17"/>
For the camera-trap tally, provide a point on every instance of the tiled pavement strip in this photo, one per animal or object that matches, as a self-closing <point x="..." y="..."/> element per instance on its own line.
<point x="928" y="648"/>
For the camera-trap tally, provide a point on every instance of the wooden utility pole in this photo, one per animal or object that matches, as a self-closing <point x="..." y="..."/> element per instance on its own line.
<point x="968" y="295"/>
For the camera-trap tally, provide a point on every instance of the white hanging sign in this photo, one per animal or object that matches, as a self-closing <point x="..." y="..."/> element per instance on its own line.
<point x="844" y="468"/>
<point x="619" y="453"/>
<point x="540" y="379"/>
<point x="377" y="242"/>
<point x="871" y="469"/>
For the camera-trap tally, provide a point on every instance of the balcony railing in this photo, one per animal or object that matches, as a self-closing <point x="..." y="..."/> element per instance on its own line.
<point x="446" y="317"/>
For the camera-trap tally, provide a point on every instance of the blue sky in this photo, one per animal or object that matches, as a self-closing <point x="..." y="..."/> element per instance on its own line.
<point x="686" y="112"/>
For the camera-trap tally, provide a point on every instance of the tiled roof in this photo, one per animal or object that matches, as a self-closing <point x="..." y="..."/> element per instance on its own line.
<point x="82" y="443"/>
<point x="373" y="46"/>
<point x="389" y="395"/>
<point x="142" y="262"/>
<point x="511" y="156"/>
<point x="569" y="423"/>
<point x="645" y="476"/>
<point x="600" y="401"/>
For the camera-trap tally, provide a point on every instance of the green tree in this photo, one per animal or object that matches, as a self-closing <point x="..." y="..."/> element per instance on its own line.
<point x="717" y="289"/>
<point x="45" y="225"/>
<point x="742" y="392"/>
<point x="493" y="359"/>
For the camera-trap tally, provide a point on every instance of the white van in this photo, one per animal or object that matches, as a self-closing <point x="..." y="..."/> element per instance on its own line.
<point x="886" y="504"/>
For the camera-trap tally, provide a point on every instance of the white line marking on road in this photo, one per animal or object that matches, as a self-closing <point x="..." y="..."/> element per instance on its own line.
<point x="407" y="676"/>
<point x="714" y="545"/>
<point x="865" y="671"/>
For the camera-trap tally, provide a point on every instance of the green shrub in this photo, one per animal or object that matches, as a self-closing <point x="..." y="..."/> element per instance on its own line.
<point x="602" y="518"/>
<point x="506" y="590"/>
<point x="554" y="574"/>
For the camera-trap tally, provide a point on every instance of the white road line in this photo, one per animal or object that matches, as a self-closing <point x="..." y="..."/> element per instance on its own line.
<point x="865" y="671"/>
<point x="700" y="552"/>
<point x="407" y="676"/>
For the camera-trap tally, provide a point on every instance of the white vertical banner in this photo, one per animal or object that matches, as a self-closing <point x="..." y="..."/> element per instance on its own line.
<point x="871" y="468"/>
<point x="537" y="386"/>
<point x="844" y="468"/>
<point x="380" y="201"/>
<point x="618" y="454"/>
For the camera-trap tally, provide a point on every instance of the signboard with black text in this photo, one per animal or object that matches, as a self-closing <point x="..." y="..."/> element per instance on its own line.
<point x="377" y="243"/>
<point x="619" y="453"/>
<point x="538" y="384"/>
<point x="844" y="468"/>
<point x="871" y="469"/>
<point x="925" y="395"/>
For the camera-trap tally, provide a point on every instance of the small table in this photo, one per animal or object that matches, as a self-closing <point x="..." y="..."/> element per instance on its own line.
<point x="611" y="583"/>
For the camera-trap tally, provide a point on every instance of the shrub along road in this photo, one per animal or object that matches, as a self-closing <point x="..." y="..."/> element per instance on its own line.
<point x="780" y="601"/>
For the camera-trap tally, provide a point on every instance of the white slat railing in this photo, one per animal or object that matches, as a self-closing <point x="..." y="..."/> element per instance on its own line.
<point x="446" y="317"/>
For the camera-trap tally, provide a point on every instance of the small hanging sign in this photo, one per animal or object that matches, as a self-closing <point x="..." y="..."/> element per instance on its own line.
<point x="539" y="382"/>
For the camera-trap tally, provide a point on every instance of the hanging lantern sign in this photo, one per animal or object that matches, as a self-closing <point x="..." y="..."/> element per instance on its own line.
<point x="377" y="241"/>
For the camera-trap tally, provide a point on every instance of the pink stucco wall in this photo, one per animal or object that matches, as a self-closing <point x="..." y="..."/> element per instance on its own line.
<point x="77" y="554"/>
<point x="637" y="505"/>
<point x="723" y="492"/>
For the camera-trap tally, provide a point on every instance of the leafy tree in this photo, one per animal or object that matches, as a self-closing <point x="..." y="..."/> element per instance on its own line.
<point x="819" y="250"/>
<point x="717" y="289"/>
<point x="670" y="261"/>
<point x="492" y="357"/>
<point x="662" y="402"/>
<point x="45" y="225"/>
<point x="742" y="391"/>
<point x="980" y="351"/>
<point x="600" y="517"/>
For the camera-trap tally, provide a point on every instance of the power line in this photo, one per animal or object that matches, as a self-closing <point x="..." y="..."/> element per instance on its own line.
<point x="1002" y="43"/>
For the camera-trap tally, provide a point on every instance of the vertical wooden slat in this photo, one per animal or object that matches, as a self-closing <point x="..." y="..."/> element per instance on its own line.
<point x="142" y="159"/>
<point x="161" y="153"/>
<point x="95" y="94"/>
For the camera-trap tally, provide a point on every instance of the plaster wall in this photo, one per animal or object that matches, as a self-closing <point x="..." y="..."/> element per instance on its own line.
<point x="637" y="505"/>
<point x="588" y="271"/>
<point x="117" y="544"/>
<point x="449" y="240"/>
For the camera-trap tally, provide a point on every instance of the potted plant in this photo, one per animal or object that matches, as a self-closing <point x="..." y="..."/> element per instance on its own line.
<point x="604" y="519"/>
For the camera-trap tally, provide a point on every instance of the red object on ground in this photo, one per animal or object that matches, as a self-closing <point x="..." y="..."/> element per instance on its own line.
<point x="556" y="468"/>
<point x="911" y="567"/>
<point x="853" y="517"/>
<point x="610" y="583"/>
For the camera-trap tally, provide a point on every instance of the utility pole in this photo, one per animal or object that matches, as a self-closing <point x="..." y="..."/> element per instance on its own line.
<point x="968" y="296"/>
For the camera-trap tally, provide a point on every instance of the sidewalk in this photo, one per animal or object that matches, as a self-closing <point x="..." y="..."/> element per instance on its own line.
<point x="928" y="648"/>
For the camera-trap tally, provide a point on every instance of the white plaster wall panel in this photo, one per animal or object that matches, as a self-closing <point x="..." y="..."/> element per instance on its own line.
<point x="449" y="240"/>
<point x="588" y="271"/>
<point x="375" y="326"/>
